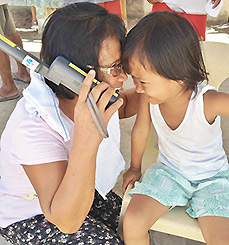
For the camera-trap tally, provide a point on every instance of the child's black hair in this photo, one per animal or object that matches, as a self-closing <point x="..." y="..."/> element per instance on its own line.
<point x="169" y="45"/>
<point x="77" y="32"/>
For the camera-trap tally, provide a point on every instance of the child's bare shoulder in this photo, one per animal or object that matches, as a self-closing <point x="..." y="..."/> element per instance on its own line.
<point x="214" y="97"/>
<point x="216" y="103"/>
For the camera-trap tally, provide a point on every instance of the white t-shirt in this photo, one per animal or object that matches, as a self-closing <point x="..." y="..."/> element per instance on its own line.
<point x="28" y="140"/>
<point x="189" y="6"/>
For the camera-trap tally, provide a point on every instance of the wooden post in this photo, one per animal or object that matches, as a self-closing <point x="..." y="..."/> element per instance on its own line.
<point x="124" y="13"/>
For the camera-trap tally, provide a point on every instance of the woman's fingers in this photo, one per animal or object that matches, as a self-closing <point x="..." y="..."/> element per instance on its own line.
<point x="86" y="86"/>
<point x="114" y="107"/>
<point x="96" y="91"/>
<point x="104" y="98"/>
<point x="101" y="93"/>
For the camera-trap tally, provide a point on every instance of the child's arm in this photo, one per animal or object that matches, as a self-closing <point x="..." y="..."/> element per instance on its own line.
<point x="139" y="138"/>
<point x="215" y="104"/>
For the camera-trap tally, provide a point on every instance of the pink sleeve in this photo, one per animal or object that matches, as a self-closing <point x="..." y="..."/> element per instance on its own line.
<point x="36" y="143"/>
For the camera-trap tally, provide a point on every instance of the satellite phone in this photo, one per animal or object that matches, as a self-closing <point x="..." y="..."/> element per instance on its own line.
<point x="61" y="71"/>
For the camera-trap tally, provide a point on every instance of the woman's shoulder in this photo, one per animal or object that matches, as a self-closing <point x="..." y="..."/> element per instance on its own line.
<point x="22" y="120"/>
<point x="31" y="140"/>
<point x="28" y="128"/>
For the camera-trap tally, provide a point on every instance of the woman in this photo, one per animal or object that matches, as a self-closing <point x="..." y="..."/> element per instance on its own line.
<point x="50" y="172"/>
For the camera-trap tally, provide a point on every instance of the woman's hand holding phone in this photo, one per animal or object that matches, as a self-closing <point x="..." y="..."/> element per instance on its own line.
<point x="82" y="116"/>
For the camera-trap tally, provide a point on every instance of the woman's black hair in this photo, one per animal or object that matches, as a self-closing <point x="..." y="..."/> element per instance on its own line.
<point x="168" y="44"/>
<point x="77" y="32"/>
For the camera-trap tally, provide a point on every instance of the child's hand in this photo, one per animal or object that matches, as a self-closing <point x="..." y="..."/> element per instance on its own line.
<point x="130" y="177"/>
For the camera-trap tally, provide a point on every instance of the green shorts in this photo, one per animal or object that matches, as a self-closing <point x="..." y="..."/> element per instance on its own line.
<point x="7" y="26"/>
<point x="207" y="197"/>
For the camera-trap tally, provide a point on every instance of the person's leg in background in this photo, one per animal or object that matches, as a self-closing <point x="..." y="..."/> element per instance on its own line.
<point x="34" y="22"/>
<point x="198" y="21"/>
<point x="8" y="89"/>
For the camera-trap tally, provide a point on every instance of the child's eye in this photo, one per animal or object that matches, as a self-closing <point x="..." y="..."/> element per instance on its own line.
<point x="136" y="80"/>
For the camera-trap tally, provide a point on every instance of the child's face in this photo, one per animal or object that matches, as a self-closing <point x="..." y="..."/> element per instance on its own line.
<point x="109" y="56"/>
<point x="155" y="88"/>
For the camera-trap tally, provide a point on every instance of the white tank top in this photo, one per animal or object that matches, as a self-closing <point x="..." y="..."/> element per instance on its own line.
<point x="194" y="149"/>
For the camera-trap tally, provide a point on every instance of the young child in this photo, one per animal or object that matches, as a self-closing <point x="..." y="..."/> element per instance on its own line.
<point x="163" y="55"/>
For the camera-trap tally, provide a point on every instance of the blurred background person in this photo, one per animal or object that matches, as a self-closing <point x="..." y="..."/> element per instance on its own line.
<point x="8" y="90"/>
<point x="34" y="22"/>
<point x="194" y="11"/>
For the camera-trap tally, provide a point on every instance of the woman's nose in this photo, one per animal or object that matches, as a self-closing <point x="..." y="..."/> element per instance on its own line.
<point x="123" y="76"/>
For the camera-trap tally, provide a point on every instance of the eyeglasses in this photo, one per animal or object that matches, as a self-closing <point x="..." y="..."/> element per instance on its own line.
<point x="113" y="71"/>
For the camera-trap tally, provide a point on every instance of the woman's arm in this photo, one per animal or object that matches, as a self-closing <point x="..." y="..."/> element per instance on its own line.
<point x="139" y="138"/>
<point x="130" y="103"/>
<point x="66" y="190"/>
